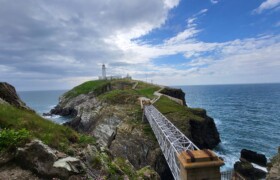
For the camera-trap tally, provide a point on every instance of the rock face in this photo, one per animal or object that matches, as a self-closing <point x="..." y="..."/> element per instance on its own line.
<point x="111" y="125"/>
<point x="43" y="160"/>
<point x="82" y="108"/>
<point x="8" y="94"/>
<point x="274" y="169"/>
<point x="247" y="170"/>
<point x="204" y="133"/>
<point x="176" y="93"/>
<point x="118" y="127"/>
<point x="254" y="157"/>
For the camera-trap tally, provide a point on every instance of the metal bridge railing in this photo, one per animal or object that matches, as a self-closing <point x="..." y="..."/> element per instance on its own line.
<point x="171" y="140"/>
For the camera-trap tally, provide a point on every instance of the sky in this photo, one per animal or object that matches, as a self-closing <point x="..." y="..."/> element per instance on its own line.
<point x="54" y="44"/>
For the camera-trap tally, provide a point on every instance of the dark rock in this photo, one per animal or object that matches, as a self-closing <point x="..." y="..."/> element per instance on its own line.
<point x="244" y="168"/>
<point x="6" y="157"/>
<point x="64" y="111"/>
<point x="11" y="171"/>
<point x="254" y="157"/>
<point x="8" y="93"/>
<point x="47" y="114"/>
<point x="176" y="93"/>
<point x="76" y="124"/>
<point x="247" y="170"/>
<point x="204" y="133"/>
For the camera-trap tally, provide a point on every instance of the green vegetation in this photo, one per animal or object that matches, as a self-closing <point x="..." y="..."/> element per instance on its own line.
<point x="179" y="115"/>
<point x="148" y="131"/>
<point x="114" y="91"/>
<point x="115" y="168"/>
<point x="120" y="97"/>
<point x="10" y="139"/>
<point x="98" y="87"/>
<point x="124" y="166"/>
<point x="148" y="91"/>
<point x="85" y="139"/>
<point x="142" y="173"/>
<point x="54" y="135"/>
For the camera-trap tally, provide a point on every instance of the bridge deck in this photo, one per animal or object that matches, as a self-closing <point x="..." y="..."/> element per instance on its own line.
<point x="171" y="140"/>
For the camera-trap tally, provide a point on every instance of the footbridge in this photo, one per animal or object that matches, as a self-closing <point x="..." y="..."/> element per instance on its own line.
<point x="185" y="159"/>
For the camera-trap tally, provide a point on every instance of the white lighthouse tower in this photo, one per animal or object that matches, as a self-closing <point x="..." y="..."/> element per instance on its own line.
<point x="103" y="71"/>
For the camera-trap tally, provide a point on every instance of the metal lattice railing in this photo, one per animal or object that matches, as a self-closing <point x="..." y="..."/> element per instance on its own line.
<point x="171" y="140"/>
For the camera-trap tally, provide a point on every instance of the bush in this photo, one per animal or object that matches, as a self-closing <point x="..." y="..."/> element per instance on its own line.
<point x="10" y="139"/>
<point x="54" y="135"/>
<point x="85" y="139"/>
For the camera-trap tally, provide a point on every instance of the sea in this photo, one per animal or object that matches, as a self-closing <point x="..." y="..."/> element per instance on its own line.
<point x="247" y="116"/>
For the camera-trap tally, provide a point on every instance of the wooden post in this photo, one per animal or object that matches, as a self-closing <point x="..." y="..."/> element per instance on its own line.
<point x="199" y="165"/>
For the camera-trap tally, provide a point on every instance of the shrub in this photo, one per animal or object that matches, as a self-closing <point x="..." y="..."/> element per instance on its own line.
<point x="85" y="139"/>
<point x="10" y="139"/>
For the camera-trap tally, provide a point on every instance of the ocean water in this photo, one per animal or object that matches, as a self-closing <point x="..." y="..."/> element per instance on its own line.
<point x="43" y="102"/>
<point x="247" y="116"/>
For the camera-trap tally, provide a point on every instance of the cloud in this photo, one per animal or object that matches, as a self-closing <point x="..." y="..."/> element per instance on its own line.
<point x="266" y="5"/>
<point x="59" y="44"/>
<point x="70" y="39"/>
<point x="250" y="60"/>
<point x="191" y="30"/>
<point x="214" y="1"/>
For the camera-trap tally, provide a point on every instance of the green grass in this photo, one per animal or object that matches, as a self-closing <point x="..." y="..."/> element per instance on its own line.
<point x="120" y="97"/>
<point x="179" y="115"/>
<point x="98" y="87"/>
<point x="54" y="135"/>
<point x="148" y="91"/>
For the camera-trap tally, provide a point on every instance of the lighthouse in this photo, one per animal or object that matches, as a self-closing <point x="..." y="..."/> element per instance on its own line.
<point x="103" y="71"/>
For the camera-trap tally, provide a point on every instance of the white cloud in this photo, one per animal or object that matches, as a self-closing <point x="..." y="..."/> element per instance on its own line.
<point x="183" y="36"/>
<point x="70" y="39"/>
<point x="266" y="5"/>
<point x="171" y="3"/>
<point x="43" y="44"/>
<point x="201" y="12"/>
<point x="214" y="1"/>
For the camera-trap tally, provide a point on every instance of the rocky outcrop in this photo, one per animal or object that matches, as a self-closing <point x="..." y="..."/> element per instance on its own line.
<point x="112" y="125"/>
<point x="117" y="125"/>
<point x="83" y="109"/>
<point x="176" y="93"/>
<point x="140" y="148"/>
<point x="204" y="133"/>
<point x="44" y="161"/>
<point x="252" y="165"/>
<point x="274" y="168"/>
<point x="9" y="95"/>
<point x="247" y="170"/>
<point x="254" y="157"/>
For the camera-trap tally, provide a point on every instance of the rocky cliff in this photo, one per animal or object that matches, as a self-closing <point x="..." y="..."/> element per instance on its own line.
<point x="114" y="118"/>
<point x="35" y="148"/>
<point x="9" y="95"/>
<point x="274" y="169"/>
<point x="176" y="93"/>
